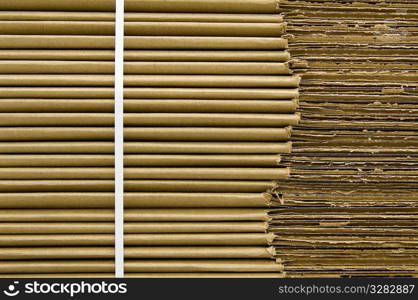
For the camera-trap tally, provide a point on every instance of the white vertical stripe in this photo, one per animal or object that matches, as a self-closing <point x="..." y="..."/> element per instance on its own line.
<point x="119" y="244"/>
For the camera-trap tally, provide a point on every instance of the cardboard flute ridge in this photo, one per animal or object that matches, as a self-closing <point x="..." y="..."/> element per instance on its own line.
<point x="142" y="28"/>
<point x="137" y="227"/>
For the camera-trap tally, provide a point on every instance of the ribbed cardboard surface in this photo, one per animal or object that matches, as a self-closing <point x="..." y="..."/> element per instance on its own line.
<point x="210" y="100"/>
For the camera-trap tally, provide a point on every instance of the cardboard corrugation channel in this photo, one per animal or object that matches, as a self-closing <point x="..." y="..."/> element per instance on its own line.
<point x="210" y="102"/>
<point x="349" y="207"/>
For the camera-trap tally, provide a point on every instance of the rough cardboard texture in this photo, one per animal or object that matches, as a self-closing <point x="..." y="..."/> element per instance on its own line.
<point x="349" y="207"/>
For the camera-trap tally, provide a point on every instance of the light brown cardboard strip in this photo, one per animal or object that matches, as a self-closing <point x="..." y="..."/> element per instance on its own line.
<point x="48" y="253"/>
<point x="140" y="42"/>
<point x="218" y="6"/>
<point x="208" y="133"/>
<point x="143" y="239"/>
<point x="207" y="106"/>
<point x="202" y="266"/>
<point x="59" y="54"/>
<point x="57" y="200"/>
<point x="132" y="215"/>
<point x="150" y="93"/>
<point x="138" y="17"/>
<point x="222" y="6"/>
<point x="202" y="275"/>
<point x="198" y="215"/>
<point x="142" y="133"/>
<point x="221" y="252"/>
<point x="231" y="186"/>
<point x="151" y="80"/>
<point x="85" y="160"/>
<point x="205" y="147"/>
<point x="207" y="173"/>
<point x="81" y="266"/>
<point x="210" y="93"/>
<point x="145" y="173"/>
<point x="145" y="55"/>
<point x="142" y="67"/>
<point x="133" y="227"/>
<point x="68" y="275"/>
<point x="149" y="119"/>
<point x="148" y="105"/>
<point x="57" y="105"/>
<point x="26" y="186"/>
<point x="165" y="28"/>
<point x="47" y="92"/>
<point x="133" y="200"/>
<point x="142" y="266"/>
<point x="203" y="17"/>
<point x="50" y="215"/>
<point x="65" y="5"/>
<point x="147" y="275"/>
<point x="41" y="66"/>
<point x="57" y="16"/>
<point x="275" y="134"/>
<point x="54" y="147"/>
<point x="204" y="55"/>
<point x="144" y="147"/>
<point x="173" y="200"/>
<point x="42" y="27"/>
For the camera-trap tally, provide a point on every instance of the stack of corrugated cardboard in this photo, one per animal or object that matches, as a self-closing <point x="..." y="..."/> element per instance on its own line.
<point x="210" y="101"/>
<point x="350" y="205"/>
<point x="209" y="104"/>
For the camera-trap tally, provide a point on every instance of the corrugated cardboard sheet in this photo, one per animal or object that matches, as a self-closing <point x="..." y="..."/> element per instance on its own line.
<point x="231" y="169"/>
<point x="210" y="100"/>
<point x="349" y="207"/>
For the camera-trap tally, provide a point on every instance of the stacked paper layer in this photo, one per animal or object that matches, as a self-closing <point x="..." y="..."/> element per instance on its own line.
<point x="350" y="205"/>
<point x="209" y="104"/>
